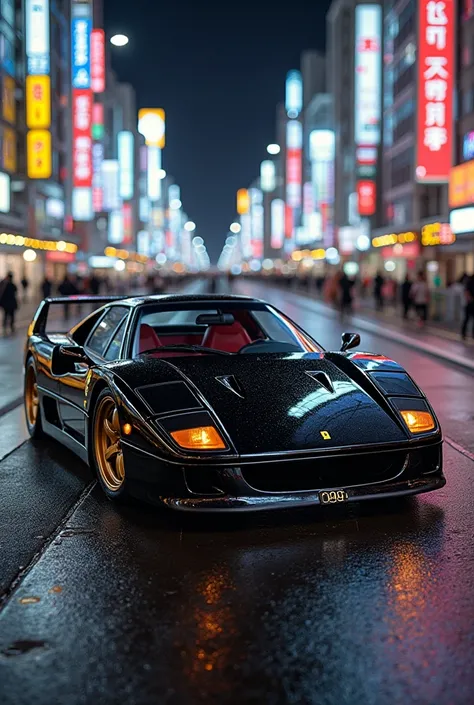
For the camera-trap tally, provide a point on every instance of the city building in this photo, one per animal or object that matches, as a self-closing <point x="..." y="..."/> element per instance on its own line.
<point x="418" y="130"/>
<point x="459" y="257"/>
<point x="36" y="136"/>
<point x="354" y="71"/>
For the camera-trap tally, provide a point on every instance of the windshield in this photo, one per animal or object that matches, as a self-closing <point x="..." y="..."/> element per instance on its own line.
<point x="231" y="327"/>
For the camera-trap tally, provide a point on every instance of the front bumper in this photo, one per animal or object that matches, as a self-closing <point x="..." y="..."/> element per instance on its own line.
<point x="286" y="483"/>
<point x="286" y="501"/>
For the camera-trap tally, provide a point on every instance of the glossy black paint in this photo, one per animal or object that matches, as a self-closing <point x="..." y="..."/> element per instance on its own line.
<point x="271" y="409"/>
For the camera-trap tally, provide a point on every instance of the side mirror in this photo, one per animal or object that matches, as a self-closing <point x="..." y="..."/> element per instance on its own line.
<point x="349" y="341"/>
<point x="66" y="357"/>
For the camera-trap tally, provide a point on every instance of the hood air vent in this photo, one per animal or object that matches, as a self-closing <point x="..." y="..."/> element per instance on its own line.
<point x="232" y="384"/>
<point x="322" y="378"/>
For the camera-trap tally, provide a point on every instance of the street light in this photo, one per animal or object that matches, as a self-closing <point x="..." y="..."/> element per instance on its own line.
<point x="273" y="149"/>
<point x="235" y="228"/>
<point x="161" y="173"/>
<point x="119" y="40"/>
<point x="190" y="226"/>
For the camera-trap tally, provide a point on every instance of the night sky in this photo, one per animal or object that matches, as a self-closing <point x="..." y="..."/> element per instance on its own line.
<point x="219" y="71"/>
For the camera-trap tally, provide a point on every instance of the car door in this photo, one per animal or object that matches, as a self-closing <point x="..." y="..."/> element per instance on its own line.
<point x="103" y="345"/>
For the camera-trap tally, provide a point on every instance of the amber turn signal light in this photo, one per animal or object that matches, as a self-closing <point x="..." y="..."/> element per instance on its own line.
<point x="200" y="438"/>
<point x="418" y="421"/>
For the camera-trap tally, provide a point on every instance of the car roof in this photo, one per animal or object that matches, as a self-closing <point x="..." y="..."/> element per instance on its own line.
<point x="185" y="298"/>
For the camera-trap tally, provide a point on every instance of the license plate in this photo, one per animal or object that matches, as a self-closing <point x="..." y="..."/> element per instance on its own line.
<point x="333" y="497"/>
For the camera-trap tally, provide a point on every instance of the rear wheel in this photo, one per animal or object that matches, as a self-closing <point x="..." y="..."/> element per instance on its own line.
<point x="32" y="403"/>
<point x="107" y="448"/>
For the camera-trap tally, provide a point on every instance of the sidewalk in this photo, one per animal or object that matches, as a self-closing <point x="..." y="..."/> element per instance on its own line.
<point x="437" y="341"/>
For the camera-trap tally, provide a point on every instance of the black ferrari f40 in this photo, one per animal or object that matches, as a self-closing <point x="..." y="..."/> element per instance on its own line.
<point x="223" y="403"/>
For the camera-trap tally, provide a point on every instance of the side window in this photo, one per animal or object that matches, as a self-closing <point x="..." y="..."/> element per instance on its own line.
<point x="102" y="334"/>
<point x="113" y="351"/>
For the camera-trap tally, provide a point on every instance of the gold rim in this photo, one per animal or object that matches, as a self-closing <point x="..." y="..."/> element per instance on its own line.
<point x="31" y="397"/>
<point x="107" y="446"/>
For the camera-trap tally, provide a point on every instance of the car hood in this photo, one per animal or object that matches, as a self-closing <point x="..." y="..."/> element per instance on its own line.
<point x="269" y="403"/>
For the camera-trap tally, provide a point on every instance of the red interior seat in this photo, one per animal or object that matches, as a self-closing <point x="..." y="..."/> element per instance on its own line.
<point x="148" y="338"/>
<point x="226" y="338"/>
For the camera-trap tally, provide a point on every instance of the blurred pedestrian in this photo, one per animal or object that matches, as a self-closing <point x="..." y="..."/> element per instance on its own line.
<point x="345" y="299"/>
<point x="406" y="297"/>
<point x="469" y="308"/>
<point x="379" y="281"/>
<point x="420" y="295"/>
<point x="67" y="288"/>
<point x="9" y="302"/>
<point x="46" y="288"/>
<point x="24" y="285"/>
<point x="94" y="285"/>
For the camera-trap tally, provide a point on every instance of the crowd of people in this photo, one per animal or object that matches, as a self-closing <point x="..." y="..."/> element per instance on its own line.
<point x="412" y="295"/>
<point x="13" y="295"/>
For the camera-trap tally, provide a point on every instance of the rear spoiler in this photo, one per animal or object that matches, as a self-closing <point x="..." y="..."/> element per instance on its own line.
<point x="38" y="325"/>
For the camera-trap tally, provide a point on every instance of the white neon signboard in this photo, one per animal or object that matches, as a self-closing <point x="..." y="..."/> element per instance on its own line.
<point x="368" y="74"/>
<point x="294" y="94"/>
<point x="37" y="37"/>
<point x="126" y="163"/>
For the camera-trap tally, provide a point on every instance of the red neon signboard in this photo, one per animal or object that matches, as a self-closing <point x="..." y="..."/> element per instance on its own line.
<point x="289" y="222"/>
<point x="82" y="139"/>
<point x="435" y="90"/>
<point x="366" y="197"/>
<point x="98" y="60"/>
<point x="127" y="223"/>
<point x="293" y="177"/>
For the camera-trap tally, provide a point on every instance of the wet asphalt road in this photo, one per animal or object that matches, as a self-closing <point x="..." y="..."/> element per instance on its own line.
<point x="370" y="604"/>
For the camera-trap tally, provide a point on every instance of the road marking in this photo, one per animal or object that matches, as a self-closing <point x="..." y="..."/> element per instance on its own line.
<point x="464" y="451"/>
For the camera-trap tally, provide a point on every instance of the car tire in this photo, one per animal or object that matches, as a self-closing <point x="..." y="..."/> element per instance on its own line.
<point x="105" y="450"/>
<point x="32" y="402"/>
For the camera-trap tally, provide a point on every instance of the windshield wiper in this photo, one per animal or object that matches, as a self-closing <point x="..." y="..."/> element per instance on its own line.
<point x="185" y="348"/>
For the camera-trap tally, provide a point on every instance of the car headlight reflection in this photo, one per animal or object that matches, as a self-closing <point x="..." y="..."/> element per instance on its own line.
<point x="418" y="421"/>
<point x="200" y="438"/>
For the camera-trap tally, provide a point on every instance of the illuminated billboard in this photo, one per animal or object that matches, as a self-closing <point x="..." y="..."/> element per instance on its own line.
<point x="366" y="197"/>
<point x="152" y="125"/>
<point x="322" y="152"/>
<point x="82" y="138"/>
<point x="461" y="185"/>
<point x="243" y="201"/>
<point x="116" y="227"/>
<point x="110" y="184"/>
<point x="277" y="215"/>
<point x="368" y="74"/>
<point x="294" y="163"/>
<point x="97" y="191"/>
<point x="153" y="173"/>
<point x="39" y="158"/>
<point x="81" y="28"/>
<point x="126" y="147"/>
<point x="98" y="60"/>
<point x="82" y="204"/>
<point x="267" y="176"/>
<point x="37" y="36"/>
<point x="38" y="102"/>
<point x="294" y="94"/>
<point x="434" y="140"/>
<point x="4" y="193"/>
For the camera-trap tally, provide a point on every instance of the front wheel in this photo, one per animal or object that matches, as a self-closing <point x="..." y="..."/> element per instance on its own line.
<point x="32" y="403"/>
<point x="107" y="450"/>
